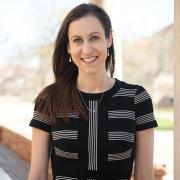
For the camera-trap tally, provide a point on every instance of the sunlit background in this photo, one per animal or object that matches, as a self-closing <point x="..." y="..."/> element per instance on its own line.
<point x="28" y="29"/>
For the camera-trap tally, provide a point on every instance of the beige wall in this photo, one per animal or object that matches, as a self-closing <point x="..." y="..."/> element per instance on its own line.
<point x="97" y="2"/>
<point x="177" y="93"/>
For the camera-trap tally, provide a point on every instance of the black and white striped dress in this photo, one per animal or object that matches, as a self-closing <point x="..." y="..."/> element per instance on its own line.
<point x="102" y="148"/>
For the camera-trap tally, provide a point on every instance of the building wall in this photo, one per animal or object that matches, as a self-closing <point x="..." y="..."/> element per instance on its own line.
<point x="97" y="2"/>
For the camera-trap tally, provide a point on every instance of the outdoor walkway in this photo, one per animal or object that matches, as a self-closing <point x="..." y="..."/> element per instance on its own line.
<point x="10" y="163"/>
<point x="4" y="175"/>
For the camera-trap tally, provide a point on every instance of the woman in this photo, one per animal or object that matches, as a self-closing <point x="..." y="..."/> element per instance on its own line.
<point x="96" y="125"/>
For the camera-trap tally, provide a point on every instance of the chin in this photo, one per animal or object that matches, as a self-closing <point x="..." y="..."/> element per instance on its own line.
<point x="90" y="72"/>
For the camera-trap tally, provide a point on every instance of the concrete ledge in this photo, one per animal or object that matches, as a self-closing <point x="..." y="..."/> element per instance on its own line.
<point x="19" y="144"/>
<point x="3" y="175"/>
<point x="16" y="142"/>
<point x="14" y="166"/>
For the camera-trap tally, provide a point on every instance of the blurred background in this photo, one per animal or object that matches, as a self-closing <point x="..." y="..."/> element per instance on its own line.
<point x="144" y="48"/>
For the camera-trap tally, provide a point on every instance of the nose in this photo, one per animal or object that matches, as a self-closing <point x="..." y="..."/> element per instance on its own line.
<point x="87" y="48"/>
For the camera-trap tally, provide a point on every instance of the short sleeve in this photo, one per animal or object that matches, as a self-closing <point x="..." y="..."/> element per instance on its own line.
<point x="40" y="121"/>
<point x="144" y="112"/>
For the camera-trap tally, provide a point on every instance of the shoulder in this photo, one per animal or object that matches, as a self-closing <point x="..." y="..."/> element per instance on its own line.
<point x="136" y="88"/>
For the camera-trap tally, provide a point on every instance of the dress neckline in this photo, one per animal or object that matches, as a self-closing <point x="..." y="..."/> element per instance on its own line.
<point x="108" y="92"/>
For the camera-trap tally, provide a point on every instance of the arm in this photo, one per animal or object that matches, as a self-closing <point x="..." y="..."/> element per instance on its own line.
<point x="39" y="155"/>
<point x="144" y="155"/>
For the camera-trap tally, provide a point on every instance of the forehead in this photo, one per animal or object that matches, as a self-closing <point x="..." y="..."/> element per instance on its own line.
<point x="84" y="26"/>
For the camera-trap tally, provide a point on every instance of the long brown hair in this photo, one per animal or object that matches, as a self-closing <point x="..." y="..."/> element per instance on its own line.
<point x="62" y="96"/>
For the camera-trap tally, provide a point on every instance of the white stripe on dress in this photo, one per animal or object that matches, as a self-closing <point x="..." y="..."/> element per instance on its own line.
<point x="92" y="137"/>
<point x="141" y="97"/>
<point x="120" y="156"/>
<point x="70" y="114"/>
<point x="65" y="134"/>
<point x="121" y="114"/>
<point x="41" y="117"/>
<point x="65" y="178"/>
<point x="125" y="92"/>
<point x="65" y="154"/>
<point x="145" y="118"/>
<point x="120" y="135"/>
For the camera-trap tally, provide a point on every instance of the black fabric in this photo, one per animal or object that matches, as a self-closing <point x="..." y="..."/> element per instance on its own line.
<point x="107" y="138"/>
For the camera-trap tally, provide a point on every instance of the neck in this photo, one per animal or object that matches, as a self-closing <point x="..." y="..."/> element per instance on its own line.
<point x="94" y="84"/>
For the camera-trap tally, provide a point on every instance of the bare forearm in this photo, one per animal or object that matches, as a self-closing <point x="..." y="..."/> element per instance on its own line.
<point x="33" y="176"/>
<point x="144" y="177"/>
<point x="143" y="174"/>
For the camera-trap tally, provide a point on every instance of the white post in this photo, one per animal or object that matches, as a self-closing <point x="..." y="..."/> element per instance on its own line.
<point x="177" y="93"/>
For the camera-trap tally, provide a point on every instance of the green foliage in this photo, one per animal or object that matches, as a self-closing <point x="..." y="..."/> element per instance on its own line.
<point x="165" y="125"/>
<point x="164" y="118"/>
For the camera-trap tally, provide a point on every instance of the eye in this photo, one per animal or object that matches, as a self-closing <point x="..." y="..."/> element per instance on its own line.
<point x="94" y="38"/>
<point x="77" y="40"/>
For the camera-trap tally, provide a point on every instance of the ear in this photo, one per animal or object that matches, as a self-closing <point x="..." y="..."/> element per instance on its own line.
<point x="109" y="40"/>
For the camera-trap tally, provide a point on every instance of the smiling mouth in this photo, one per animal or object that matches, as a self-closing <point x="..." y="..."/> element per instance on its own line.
<point x="89" y="60"/>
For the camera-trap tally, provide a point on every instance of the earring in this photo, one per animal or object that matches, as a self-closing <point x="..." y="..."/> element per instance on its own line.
<point x="70" y="59"/>
<point x="108" y="52"/>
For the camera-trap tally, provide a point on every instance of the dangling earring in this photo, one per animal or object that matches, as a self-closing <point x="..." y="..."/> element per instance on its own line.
<point x="70" y="59"/>
<point x="108" y="52"/>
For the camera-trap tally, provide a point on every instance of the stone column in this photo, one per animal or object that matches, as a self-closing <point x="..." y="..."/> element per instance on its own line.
<point x="177" y="92"/>
<point x="97" y="2"/>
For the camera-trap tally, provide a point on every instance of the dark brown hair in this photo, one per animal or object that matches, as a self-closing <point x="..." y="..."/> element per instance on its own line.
<point x="62" y="96"/>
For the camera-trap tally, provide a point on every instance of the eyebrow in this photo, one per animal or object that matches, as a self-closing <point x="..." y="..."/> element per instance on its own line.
<point x="75" y="36"/>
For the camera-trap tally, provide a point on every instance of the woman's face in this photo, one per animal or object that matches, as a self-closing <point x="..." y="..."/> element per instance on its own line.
<point x="88" y="45"/>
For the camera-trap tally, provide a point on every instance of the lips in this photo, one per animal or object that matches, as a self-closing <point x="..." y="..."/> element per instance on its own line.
<point x="89" y="60"/>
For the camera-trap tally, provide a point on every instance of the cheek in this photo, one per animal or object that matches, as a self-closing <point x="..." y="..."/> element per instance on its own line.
<point x="101" y="46"/>
<point x="103" y="50"/>
<point x="74" y="51"/>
